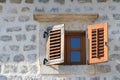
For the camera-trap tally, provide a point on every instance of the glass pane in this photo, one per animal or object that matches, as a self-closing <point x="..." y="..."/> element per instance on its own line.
<point x="75" y="56"/>
<point x="75" y="42"/>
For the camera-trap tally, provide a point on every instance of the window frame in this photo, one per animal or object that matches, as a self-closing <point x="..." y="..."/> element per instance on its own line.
<point x="80" y="34"/>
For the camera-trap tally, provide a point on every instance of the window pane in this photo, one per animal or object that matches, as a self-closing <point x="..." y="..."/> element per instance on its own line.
<point x="75" y="56"/>
<point x="75" y="42"/>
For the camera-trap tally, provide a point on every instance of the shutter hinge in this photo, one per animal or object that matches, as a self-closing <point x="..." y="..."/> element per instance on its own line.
<point x="45" y="61"/>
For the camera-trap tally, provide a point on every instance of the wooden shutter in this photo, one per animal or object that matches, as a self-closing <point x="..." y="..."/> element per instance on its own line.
<point x="55" y="45"/>
<point x="98" y="39"/>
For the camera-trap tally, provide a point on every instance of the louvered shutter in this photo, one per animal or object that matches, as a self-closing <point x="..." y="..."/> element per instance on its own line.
<point x="55" y="45"/>
<point x="98" y="39"/>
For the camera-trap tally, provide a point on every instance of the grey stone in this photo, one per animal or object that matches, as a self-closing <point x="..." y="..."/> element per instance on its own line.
<point x="118" y="68"/>
<point x="32" y="57"/>
<point x="10" y="69"/>
<point x="116" y="48"/>
<point x="29" y="47"/>
<point x="84" y="1"/>
<point x="15" y="1"/>
<point x="103" y="68"/>
<point x="9" y="19"/>
<point x="19" y="58"/>
<point x="104" y="17"/>
<point x="14" y="47"/>
<point x="5" y="38"/>
<point x="111" y="7"/>
<point x="0" y="68"/>
<point x="31" y="27"/>
<point x="115" y="32"/>
<point x="1" y="8"/>
<point x="33" y="38"/>
<point x="23" y="69"/>
<point x="29" y="1"/>
<point x="101" y="0"/>
<point x="116" y="16"/>
<point x="116" y="0"/>
<point x="95" y="78"/>
<point x="15" y="78"/>
<point x="25" y="9"/>
<point x="68" y="10"/>
<point x="114" y="57"/>
<point x="39" y="9"/>
<point x="34" y="69"/>
<point x="4" y="58"/>
<point x="88" y="8"/>
<point x="2" y="1"/>
<point x="43" y="1"/>
<point x="54" y="10"/>
<point x="3" y="77"/>
<point x="116" y="78"/>
<point x="21" y="37"/>
<point x="23" y="18"/>
<point x="14" y="11"/>
<point x="60" y="1"/>
<point x="12" y="29"/>
<point x="32" y="78"/>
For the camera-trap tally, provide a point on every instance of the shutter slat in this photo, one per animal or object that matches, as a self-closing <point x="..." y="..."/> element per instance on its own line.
<point x="98" y="35"/>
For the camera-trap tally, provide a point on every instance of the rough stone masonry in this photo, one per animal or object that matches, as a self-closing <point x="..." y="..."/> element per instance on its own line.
<point x="22" y="46"/>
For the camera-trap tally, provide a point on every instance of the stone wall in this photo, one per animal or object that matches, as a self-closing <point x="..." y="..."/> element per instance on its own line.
<point x="22" y="46"/>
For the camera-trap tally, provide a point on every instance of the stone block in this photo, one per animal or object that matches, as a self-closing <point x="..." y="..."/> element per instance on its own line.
<point x="103" y="68"/>
<point x="23" y="18"/>
<point x="15" y="1"/>
<point x="115" y="32"/>
<point x="116" y="16"/>
<point x="10" y="69"/>
<point x="14" y="29"/>
<point x="104" y="17"/>
<point x="116" y="48"/>
<point x="13" y="11"/>
<point x="25" y="9"/>
<point x="33" y="78"/>
<point x="2" y="1"/>
<point x="21" y="37"/>
<point x="54" y="10"/>
<point x="5" y="38"/>
<point x="31" y="27"/>
<point x="15" y="77"/>
<point x="29" y="1"/>
<point x="114" y="57"/>
<point x="33" y="69"/>
<point x="3" y="77"/>
<point x="1" y="8"/>
<point x="4" y="58"/>
<point x="23" y="69"/>
<point x="29" y="47"/>
<point x="84" y="1"/>
<point x="19" y="58"/>
<point x="116" y="0"/>
<point x="116" y="78"/>
<point x="118" y="68"/>
<point x="95" y="78"/>
<point x="9" y="18"/>
<point x="42" y="10"/>
<point x="14" y="47"/>
<point x="32" y="57"/>
<point x="60" y="1"/>
<point x="101" y="0"/>
<point x="33" y="38"/>
<point x="44" y="1"/>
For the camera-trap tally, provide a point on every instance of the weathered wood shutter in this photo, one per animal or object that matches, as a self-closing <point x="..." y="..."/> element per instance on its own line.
<point x="98" y="39"/>
<point x="55" y="45"/>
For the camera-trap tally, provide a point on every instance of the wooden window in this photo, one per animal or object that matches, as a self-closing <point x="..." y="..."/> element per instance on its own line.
<point x="75" y="48"/>
<point x="98" y="39"/>
<point x="70" y="47"/>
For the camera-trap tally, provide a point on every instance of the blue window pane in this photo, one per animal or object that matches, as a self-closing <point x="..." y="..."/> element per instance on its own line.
<point x="75" y="42"/>
<point x="75" y="56"/>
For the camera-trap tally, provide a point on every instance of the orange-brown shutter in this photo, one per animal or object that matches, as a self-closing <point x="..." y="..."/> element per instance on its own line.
<point x="98" y="39"/>
<point x="55" y="45"/>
